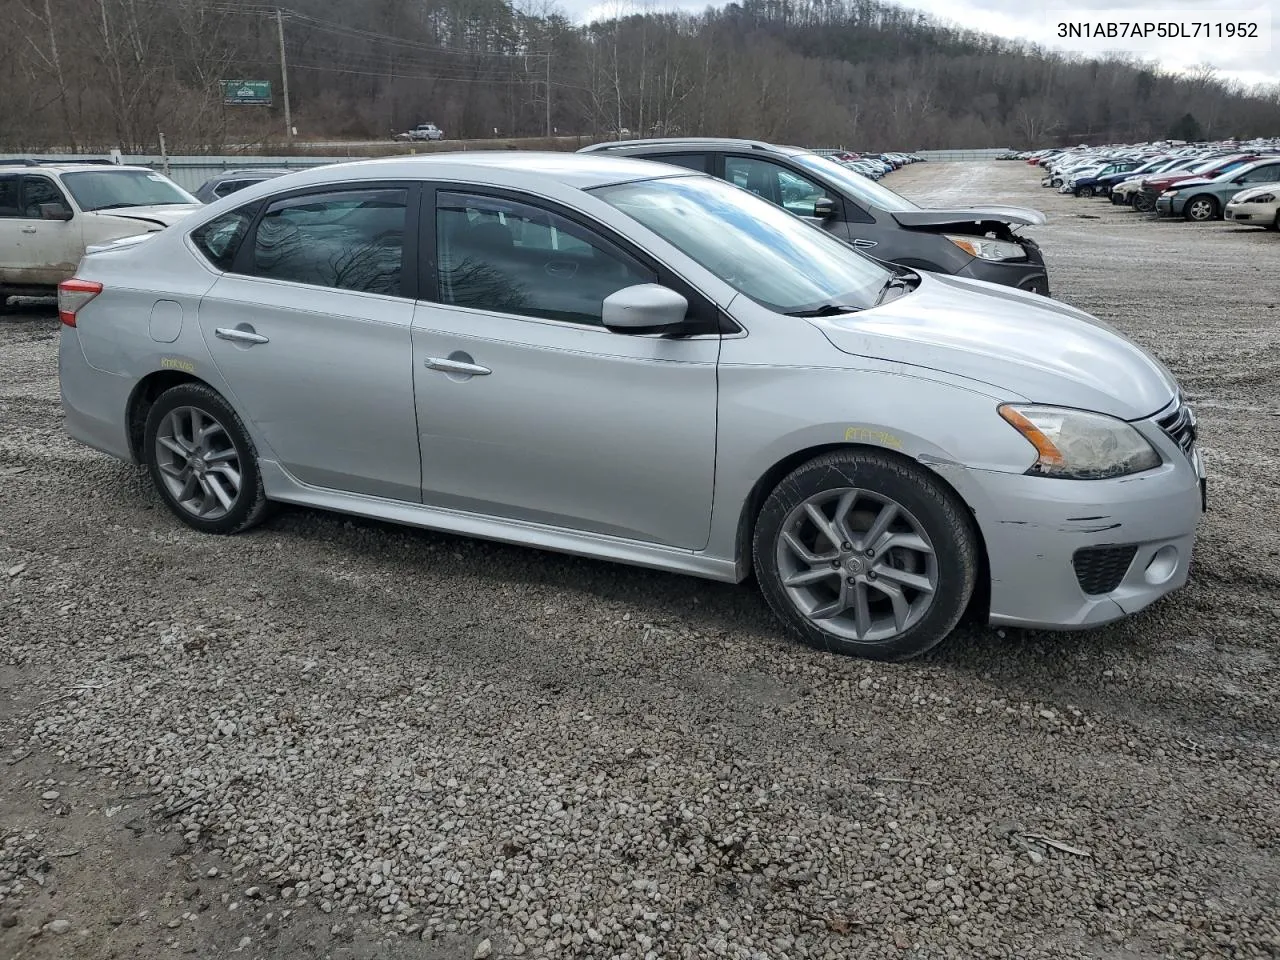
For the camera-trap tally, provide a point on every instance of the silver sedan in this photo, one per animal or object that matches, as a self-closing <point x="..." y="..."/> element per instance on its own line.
<point x="629" y="361"/>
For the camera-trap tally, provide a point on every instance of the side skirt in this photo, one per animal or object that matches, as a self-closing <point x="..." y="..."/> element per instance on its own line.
<point x="281" y="485"/>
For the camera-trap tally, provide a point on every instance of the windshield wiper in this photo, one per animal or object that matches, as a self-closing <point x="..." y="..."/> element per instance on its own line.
<point x="826" y="310"/>
<point x="904" y="278"/>
<point x="114" y="206"/>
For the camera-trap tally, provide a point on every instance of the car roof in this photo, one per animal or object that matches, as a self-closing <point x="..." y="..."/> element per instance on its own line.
<point x="497" y="168"/>
<point x="691" y="143"/>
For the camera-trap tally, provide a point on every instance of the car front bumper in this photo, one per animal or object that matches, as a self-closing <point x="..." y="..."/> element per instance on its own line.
<point x="1073" y="554"/>
<point x="1245" y="213"/>
<point x="1023" y="274"/>
<point x="1170" y="206"/>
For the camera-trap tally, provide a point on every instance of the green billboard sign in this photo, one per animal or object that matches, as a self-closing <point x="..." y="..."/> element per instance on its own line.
<point x="247" y="92"/>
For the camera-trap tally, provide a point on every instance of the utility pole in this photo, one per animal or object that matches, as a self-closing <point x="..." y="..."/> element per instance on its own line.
<point x="284" y="76"/>
<point x="548" y="85"/>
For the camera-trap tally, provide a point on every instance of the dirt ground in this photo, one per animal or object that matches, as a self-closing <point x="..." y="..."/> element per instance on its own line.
<point x="335" y="738"/>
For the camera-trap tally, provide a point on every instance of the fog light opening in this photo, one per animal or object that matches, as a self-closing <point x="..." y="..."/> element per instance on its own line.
<point x="1163" y="564"/>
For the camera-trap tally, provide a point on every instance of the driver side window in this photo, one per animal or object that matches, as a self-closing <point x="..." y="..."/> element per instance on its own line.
<point x="38" y="190"/>
<point x="513" y="257"/>
<point x="774" y="183"/>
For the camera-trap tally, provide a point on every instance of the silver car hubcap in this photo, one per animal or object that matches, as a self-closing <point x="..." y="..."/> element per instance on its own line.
<point x="1200" y="210"/>
<point x="858" y="564"/>
<point x="198" y="463"/>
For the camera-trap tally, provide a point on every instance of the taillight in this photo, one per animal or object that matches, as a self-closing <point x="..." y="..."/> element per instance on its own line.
<point x="73" y="294"/>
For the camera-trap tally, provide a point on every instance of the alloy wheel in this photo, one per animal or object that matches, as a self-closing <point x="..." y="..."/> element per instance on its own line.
<point x="198" y="463"/>
<point x="1200" y="208"/>
<point x="857" y="563"/>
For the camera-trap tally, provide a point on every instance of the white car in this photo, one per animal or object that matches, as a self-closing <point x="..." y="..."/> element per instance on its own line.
<point x="1258" y="206"/>
<point x="423" y="131"/>
<point x="50" y="213"/>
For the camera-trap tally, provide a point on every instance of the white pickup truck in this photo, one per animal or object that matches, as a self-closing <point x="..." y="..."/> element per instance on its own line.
<point x="49" y="214"/>
<point x="423" y="131"/>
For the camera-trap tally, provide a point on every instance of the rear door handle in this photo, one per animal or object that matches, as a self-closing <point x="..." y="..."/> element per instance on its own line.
<point x="457" y="366"/>
<point x="28" y="229"/>
<point x="236" y="335"/>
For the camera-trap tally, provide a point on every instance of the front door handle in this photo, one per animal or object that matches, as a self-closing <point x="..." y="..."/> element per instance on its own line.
<point x="28" y="229"/>
<point x="864" y="243"/>
<point x="457" y="366"/>
<point x="237" y="335"/>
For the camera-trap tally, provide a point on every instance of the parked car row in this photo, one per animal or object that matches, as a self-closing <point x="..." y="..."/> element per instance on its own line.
<point x="1197" y="182"/>
<point x="873" y="165"/>
<point x="702" y="365"/>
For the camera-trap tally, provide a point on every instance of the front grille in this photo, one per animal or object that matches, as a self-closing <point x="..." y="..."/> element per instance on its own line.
<point x="1100" y="569"/>
<point x="1180" y="425"/>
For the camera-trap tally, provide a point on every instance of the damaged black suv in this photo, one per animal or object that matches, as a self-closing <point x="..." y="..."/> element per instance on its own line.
<point x="979" y="242"/>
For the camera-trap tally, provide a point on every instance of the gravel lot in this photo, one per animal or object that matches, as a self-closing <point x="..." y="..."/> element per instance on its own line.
<point x="339" y="738"/>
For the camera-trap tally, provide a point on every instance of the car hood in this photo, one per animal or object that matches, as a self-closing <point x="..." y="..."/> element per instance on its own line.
<point x="166" y="215"/>
<point x="959" y="215"/>
<point x="1164" y="183"/>
<point x="1039" y="349"/>
<point x="1188" y="182"/>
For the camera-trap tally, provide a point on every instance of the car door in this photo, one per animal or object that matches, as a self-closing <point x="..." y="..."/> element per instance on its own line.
<point x="36" y="251"/>
<point x="529" y="409"/>
<point x="310" y="330"/>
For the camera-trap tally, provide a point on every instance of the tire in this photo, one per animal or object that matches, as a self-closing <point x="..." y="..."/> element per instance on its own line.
<point x="173" y="422"/>
<point x="928" y="514"/>
<point x="1201" y="208"/>
<point x="1142" y="203"/>
<point x="1275" y="225"/>
<point x="1085" y="192"/>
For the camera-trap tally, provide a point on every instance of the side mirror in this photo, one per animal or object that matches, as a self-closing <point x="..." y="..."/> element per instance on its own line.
<point x="824" y="208"/>
<point x="54" y="211"/>
<point x="644" y="308"/>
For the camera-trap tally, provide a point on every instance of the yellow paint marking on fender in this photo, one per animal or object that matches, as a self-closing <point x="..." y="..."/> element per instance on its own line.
<point x="868" y="435"/>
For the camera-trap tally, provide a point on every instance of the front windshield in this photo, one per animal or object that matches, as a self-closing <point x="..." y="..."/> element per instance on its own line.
<point x="758" y="248"/>
<point x="111" y="189"/>
<point x="866" y="192"/>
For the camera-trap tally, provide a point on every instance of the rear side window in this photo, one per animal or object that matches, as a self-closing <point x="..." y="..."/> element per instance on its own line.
<point x="230" y="186"/>
<point x="220" y="238"/>
<point x="9" y="196"/>
<point x="347" y="239"/>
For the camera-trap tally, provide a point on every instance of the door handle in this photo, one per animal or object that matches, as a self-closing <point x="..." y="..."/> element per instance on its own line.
<point x="28" y="229"/>
<point x="456" y="366"/>
<point x="236" y="335"/>
<point x="864" y="243"/>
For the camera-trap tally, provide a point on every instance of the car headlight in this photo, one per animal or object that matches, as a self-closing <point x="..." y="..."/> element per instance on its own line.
<point x="1265" y="198"/>
<point x="986" y="249"/>
<point x="1169" y="193"/>
<point x="1077" y="445"/>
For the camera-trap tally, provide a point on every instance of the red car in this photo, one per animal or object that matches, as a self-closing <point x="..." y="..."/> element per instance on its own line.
<point x="1144" y="200"/>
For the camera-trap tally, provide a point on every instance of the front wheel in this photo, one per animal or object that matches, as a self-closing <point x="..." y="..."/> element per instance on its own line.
<point x="1085" y="192"/>
<point x="862" y="554"/>
<point x="202" y="461"/>
<point x="1201" y="208"/>
<point x="1144" y="203"/>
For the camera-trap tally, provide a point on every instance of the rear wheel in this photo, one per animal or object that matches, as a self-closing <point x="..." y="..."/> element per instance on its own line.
<point x="202" y="461"/>
<point x="859" y="553"/>
<point x="1201" y="208"/>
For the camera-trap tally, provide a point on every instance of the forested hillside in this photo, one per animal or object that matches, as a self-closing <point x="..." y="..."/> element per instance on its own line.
<point x="97" y="73"/>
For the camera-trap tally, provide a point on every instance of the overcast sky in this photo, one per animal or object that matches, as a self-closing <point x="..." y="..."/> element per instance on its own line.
<point x="1249" y="62"/>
